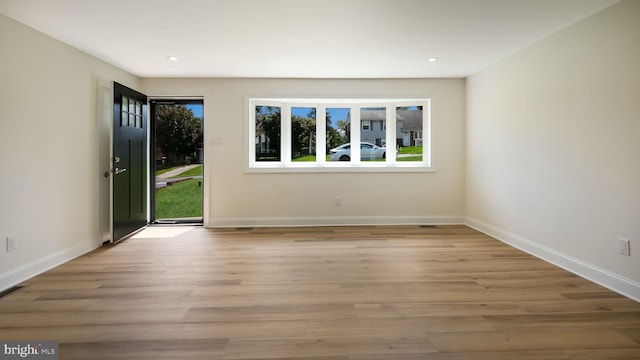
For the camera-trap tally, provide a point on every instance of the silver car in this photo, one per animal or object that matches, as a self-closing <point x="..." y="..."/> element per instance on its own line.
<point x="368" y="151"/>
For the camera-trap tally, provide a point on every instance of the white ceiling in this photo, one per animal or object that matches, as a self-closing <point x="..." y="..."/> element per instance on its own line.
<point x="300" y="38"/>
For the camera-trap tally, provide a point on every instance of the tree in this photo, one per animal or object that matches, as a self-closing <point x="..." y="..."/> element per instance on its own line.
<point x="268" y="125"/>
<point x="342" y="127"/>
<point x="334" y="137"/>
<point x="303" y="135"/>
<point x="178" y="133"/>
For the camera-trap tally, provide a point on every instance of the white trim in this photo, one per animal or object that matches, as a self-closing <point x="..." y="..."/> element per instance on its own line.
<point x="428" y="128"/>
<point x="343" y="168"/>
<point x="103" y="161"/>
<point x="321" y="138"/>
<point x="285" y="163"/>
<point x="285" y="134"/>
<point x="35" y="267"/>
<point x="390" y="140"/>
<point x="177" y="97"/>
<point x="612" y="281"/>
<point x="336" y="221"/>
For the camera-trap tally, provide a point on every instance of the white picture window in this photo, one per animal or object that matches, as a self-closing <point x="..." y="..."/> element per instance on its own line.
<point x="318" y="135"/>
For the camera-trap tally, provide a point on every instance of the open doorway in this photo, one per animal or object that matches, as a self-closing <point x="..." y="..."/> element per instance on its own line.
<point x="178" y="161"/>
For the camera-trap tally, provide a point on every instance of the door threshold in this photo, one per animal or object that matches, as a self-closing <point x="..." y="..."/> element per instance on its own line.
<point x="178" y="222"/>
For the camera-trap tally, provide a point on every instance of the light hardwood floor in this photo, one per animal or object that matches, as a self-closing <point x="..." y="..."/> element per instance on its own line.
<point x="334" y="293"/>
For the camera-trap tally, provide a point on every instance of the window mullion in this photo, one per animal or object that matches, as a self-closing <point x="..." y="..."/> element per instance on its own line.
<point x="391" y="134"/>
<point x="426" y="133"/>
<point x="252" y="133"/>
<point x="321" y="134"/>
<point x="285" y="134"/>
<point x="355" y="134"/>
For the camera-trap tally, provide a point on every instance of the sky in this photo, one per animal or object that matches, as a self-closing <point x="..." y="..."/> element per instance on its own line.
<point x="337" y="114"/>
<point x="197" y="109"/>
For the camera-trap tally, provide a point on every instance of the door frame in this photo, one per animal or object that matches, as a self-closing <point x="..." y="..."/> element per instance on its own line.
<point x="161" y="100"/>
<point x="105" y="154"/>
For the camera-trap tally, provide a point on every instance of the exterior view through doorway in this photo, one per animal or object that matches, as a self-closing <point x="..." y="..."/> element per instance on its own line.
<point x="177" y="154"/>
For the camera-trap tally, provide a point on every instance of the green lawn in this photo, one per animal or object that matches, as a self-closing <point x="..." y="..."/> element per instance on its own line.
<point x="410" y="150"/>
<point x="196" y="171"/>
<point x="162" y="171"/>
<point x="410" y="158"/>
<point x="180" y="200"/>
<point x="308" y="158"/>
<point x="417" y="157"/>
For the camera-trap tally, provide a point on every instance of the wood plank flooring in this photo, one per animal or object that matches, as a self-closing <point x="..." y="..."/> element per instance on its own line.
<point x="330" y="293"/>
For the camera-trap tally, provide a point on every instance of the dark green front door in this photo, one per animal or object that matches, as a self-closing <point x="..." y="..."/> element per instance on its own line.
<point x="130" y="185"/>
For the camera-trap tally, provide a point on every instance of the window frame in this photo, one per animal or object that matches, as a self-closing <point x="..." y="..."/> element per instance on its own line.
<point x="286" y="164"/>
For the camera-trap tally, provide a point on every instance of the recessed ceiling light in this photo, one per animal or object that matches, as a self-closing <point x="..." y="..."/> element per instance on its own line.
<point x="172" y="58"/>
<point x="432" y="59"/>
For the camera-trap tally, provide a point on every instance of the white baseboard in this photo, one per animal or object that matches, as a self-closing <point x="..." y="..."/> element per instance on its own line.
<point x="336" y="221"/>
<point x="612" y="281"/>
<point x="24" y="272"/>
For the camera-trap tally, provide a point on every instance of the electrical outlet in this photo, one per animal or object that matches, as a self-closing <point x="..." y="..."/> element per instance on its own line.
<point x="338" y="201"/>
<point x="12" y="243"/>
<point x="624" y="247"/>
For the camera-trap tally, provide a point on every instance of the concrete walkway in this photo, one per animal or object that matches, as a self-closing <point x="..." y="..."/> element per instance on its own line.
<point x="164" y="179"/>
<point x="175" y="172"/>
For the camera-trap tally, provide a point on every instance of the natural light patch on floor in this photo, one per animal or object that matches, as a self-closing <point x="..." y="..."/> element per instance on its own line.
<point x="161" y="232"/>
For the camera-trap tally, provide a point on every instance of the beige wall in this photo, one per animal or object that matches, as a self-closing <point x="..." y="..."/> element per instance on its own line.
<point x="48" y="151"/>
<point x="237" y="198"/>
<point x="547" y="158"/>
<point x="553" y="146"/>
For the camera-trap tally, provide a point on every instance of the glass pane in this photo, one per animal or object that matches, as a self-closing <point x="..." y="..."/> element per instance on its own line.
<point x="268" y="132"/>
<point x="138" y="112"/>
<point x="409" y="133"/>
<point x="124" y="119"/>
<point x="372" y="138"/>
<point x="132" y="106"/>
<point x="303" y="134"/>
<point x="338" y="134"/>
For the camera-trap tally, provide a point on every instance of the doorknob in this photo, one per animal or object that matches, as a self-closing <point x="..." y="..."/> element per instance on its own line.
<point x="117" y="171"/>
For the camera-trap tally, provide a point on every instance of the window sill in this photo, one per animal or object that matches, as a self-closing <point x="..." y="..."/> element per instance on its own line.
<point x="341" y="168"/>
